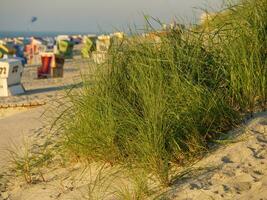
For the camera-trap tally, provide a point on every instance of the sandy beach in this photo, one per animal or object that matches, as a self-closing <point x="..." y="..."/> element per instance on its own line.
<point x="19" y="122"/>
<point x="11" y="111"/>
<point x="236" y="170"/>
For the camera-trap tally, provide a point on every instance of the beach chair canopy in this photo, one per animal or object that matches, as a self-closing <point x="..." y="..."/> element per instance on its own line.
<point x="65" y="48"/>
<point x="89" y="47"/>
<point x="4" y="50"/>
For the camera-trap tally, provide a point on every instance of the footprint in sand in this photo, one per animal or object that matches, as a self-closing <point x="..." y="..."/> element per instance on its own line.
<point x="242" y="186"/>
<point x="256" y="175"/>
<point x="226" y="159"/>
<point x="262" y="139"/>
<point x="201" y="184"/>
<point x="226" y="188"/>
<point x="259" y="154"/>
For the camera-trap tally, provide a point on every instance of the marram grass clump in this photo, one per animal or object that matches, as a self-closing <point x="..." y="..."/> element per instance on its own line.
<point x="155" y="105"/>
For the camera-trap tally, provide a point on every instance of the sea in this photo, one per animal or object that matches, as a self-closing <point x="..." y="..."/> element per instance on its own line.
<point x="13" y="34"/>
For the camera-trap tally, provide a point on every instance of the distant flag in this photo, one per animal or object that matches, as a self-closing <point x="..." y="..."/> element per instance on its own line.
<point x="31" y="22"/>
<point x="34" y="19"/>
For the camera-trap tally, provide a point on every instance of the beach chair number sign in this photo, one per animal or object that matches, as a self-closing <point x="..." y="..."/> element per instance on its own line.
<point x="2" y="70"/>
<point x="10" y="77"/>
<point x="15" y="69"/>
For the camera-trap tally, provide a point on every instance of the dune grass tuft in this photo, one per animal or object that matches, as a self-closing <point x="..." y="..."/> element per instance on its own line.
<point x="156" y="104"/>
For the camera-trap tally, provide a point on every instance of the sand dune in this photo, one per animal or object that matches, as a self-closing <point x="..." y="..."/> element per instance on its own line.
<point x="237" y="170"/>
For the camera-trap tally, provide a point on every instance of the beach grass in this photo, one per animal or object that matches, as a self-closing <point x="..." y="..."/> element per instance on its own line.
<point x="158" y="104"/>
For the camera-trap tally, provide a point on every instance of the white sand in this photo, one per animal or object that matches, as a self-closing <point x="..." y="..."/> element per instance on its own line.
<point x="15" y="124"/>
<point x="237" y="170"/>
<point x="4" y="113"/>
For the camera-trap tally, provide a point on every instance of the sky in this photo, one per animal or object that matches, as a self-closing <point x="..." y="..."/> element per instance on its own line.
<point x="95" y="15"/>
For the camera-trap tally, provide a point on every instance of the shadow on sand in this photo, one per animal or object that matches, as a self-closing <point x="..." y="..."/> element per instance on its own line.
<point x="53" y="89"/>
